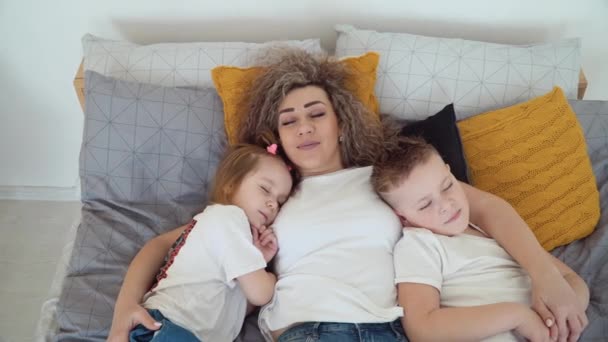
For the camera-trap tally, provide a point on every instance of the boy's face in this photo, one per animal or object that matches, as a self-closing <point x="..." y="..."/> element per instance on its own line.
<point x="431" y="198"/>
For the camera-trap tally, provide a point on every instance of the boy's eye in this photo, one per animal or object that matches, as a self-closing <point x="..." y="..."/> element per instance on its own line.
<point x="449" y="186"/>
<point x="428" y="204"/>
<point x="264" y="189"/>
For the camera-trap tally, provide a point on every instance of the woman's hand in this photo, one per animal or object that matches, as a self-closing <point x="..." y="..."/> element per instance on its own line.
<point x="128" y="316"/>
<point x="140" y="276"/>
<point x="557" y="304"/>
<point x="265" y="240"/>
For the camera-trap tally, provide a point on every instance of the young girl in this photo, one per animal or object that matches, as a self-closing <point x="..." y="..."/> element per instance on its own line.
<point x="218" y="263"/>
<point x="455" y="282"/>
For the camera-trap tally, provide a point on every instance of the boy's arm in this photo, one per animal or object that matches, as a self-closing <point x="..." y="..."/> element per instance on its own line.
<point x="424" y="320"/>
<point x="258" y="286"/>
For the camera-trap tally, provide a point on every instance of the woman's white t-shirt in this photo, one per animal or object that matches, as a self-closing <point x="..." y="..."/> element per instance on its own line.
<point x="335" y="258"/>
<point x="197" y="289"/>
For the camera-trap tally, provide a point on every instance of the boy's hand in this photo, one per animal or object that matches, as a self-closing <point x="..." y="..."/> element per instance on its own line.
<point x="555" y="301"/>
<point x="532" y="326"/>
<point x="265" y="240"/>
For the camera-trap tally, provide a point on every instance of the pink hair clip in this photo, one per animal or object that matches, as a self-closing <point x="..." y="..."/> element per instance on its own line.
<point x="272" y="149"/>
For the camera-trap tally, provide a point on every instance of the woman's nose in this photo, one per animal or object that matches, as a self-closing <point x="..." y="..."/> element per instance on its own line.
<point x="305" y="128"/>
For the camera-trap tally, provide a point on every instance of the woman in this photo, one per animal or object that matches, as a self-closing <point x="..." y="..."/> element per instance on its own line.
<point x="335" y="235"/>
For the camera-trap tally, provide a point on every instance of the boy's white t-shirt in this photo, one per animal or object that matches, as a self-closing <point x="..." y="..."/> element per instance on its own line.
<point x="335" y="258"/>
<point x="200" y="292"/>
<point x="467" y="270"/>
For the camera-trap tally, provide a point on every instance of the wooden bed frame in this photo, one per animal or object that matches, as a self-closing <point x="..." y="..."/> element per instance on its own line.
<point x="79" y="84"/>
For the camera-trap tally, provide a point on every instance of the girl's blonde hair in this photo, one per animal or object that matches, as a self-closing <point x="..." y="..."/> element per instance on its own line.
<point x="361" y="130"/>
<point x="239" y="161"/>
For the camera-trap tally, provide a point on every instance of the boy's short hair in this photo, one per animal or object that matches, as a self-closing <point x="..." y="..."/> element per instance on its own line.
<point x="397" y="164"/>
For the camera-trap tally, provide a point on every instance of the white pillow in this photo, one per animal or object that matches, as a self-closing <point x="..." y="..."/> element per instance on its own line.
<point x="418" y="75"/>
<point x="174" y="64"/>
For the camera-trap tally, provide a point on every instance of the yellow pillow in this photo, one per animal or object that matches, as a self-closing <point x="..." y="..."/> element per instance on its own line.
<point x="231" y="82"/>
<point x="534" y="156"/>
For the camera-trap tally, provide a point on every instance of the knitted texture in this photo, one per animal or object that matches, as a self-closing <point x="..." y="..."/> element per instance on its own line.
<point x="231" y="83"/>
<point x="534" y="156"/>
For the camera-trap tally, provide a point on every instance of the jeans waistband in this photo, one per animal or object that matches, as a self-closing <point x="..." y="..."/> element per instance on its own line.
<point x="317" y="328"/>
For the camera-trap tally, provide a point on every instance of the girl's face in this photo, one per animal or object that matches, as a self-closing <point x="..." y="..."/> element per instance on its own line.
<point x="309" y="131"/>
<point x="431" y="197"/>
<point x="263" y="191"/>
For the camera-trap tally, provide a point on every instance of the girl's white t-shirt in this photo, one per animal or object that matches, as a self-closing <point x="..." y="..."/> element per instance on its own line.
<point x="335" y="258"/>
<point x="200" y="292"/>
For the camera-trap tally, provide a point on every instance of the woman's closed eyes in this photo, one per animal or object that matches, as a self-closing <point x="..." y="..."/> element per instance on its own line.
<point x="290" y="121"/>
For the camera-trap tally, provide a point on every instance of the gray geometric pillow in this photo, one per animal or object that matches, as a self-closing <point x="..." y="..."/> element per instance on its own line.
<point x="148" y="155"/>
<point x="175" y="64"/>
<point x="418" y="75"/>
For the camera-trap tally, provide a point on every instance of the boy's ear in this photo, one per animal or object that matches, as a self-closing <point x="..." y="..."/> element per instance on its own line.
<point x="448" y="166"/>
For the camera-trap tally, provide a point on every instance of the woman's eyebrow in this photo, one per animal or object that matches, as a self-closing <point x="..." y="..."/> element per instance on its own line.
<point x="311" y="103"/>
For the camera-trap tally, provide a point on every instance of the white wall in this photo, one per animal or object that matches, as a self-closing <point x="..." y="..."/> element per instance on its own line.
<point x="41" y="121"/>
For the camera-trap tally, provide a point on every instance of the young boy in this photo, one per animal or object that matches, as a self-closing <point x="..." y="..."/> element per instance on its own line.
<point x="454" y="282"/>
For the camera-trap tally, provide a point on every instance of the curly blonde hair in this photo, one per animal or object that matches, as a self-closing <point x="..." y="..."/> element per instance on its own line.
<point x="291" y="69"/>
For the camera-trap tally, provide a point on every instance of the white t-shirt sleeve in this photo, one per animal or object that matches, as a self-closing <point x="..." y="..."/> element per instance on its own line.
<point x="230" y="243"/>
<point x="418" y="259"/>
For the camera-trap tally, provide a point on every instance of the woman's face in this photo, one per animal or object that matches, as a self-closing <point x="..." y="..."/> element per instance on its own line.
<point x="309" y="131"/>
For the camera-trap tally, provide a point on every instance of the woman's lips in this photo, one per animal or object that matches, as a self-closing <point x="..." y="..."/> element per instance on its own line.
<point x="454" y="217"/>
<point x="309" y="145"/>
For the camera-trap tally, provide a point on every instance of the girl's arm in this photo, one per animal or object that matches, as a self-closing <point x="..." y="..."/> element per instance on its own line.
<point x="424" y="320"/>
<point x="552" y="297"/>
<point x="143" y="268"/>
<point x="258" y="286"/>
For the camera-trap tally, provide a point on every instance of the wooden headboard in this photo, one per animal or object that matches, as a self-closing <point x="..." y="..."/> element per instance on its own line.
<point x="79" y="85"/>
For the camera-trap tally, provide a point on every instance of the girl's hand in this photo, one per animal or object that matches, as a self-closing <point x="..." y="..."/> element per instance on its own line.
<point x="556" y="303"/>
<point x="128" y="317"/>
<point x="265" y="240"/>
<point x="532" y="326"/>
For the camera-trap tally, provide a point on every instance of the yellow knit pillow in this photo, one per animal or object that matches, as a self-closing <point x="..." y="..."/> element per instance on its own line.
<point x="534" y="156"/>
<point x="231" y="82"/>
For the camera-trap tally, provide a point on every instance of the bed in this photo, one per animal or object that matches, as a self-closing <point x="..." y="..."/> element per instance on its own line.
<point x="142" y="176"/>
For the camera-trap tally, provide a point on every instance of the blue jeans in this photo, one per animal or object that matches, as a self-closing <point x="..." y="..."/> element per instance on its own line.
<point x="168" y="332"/>
<point x="345" y="332"/>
